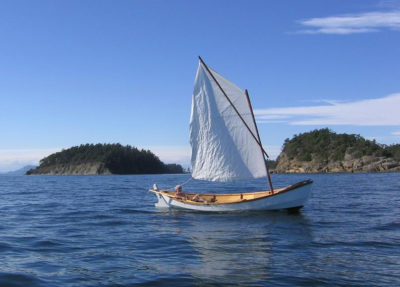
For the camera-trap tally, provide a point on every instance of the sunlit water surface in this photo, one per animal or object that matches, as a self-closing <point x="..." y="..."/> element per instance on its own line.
<point x="105" y="231"/>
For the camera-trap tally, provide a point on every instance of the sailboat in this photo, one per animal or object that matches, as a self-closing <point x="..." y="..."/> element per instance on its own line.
<point x="226" y="146"/>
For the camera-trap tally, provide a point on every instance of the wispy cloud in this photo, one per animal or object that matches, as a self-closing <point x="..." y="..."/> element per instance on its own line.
<point x="353" y="23"/>
<point x="396" y="133"/>
<point x="372" y="112"/>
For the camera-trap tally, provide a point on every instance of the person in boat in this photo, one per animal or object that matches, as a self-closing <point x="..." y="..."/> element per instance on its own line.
<point x="179" y="194"/>
<point x="198" y="198"/>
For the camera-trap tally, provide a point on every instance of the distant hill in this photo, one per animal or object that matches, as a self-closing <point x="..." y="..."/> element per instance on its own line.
<point x="103" y="159"/>
<point x="325" y="151"/>
<point x="21" y="171"/>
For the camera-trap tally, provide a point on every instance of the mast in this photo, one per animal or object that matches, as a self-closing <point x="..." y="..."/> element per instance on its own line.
<point x="259" y="140"/>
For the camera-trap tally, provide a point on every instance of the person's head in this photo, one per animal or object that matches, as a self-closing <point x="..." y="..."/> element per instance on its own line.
<point x="178" y="188"/>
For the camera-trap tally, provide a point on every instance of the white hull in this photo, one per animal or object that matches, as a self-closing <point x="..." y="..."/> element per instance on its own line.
<point x="293" y="198"/>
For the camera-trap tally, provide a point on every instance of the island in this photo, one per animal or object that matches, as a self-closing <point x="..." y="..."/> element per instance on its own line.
<point x="102" y="159"/>
<point x="324" y="151"/>
<point x="317" y="151"/>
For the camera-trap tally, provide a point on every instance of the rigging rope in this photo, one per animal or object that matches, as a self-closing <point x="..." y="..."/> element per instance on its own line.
<point x="182" y="184"/>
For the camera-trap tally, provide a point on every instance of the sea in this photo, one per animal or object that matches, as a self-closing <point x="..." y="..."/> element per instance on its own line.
<point x="106" y="231"/>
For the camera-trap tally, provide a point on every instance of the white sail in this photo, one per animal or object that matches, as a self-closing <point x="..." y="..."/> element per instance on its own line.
<point x="223" y="149"/>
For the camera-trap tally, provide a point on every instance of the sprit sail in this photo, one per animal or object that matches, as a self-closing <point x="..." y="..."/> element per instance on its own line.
<point x="222" y="131"/>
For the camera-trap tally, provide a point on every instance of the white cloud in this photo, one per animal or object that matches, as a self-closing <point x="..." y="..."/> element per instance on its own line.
<point x="353" y="23"/>
<point x="396" y="133"/>
<point x="373" y="112"/>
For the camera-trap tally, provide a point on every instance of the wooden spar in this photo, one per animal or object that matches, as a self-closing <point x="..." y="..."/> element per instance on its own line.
<point x="254" y="119"/>
<point x="259" y="140"/>
<point x="233" y="106"/>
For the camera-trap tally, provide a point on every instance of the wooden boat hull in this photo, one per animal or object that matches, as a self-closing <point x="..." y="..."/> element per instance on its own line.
<point x="291" y="198"/>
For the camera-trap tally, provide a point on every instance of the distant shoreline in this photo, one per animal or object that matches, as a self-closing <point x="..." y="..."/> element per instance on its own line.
<point x="103" y="159"/>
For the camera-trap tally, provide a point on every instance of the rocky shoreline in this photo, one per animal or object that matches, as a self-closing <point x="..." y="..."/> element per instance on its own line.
<point x="90" y="168"/>
<point x="364" y="164"/>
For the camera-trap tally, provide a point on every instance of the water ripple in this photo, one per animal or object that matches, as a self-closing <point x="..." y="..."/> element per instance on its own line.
<point x="105" y="231"/>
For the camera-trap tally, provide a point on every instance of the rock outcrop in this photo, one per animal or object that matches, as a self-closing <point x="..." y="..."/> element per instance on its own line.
<point x="89" y="168"/>
<point x="349" y="164"/>
<point x="323" y="150"/>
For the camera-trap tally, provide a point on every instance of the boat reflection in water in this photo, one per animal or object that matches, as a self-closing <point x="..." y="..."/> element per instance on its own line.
<point x="228" y="248"/>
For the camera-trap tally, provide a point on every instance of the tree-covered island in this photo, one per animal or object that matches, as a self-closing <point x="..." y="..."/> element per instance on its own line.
<point x="326" y="151"/>
<point x="318" y="151"/>
<point x="104" y="159"/>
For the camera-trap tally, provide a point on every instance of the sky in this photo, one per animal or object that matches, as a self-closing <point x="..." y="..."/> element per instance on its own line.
<point x="77" y="72"/>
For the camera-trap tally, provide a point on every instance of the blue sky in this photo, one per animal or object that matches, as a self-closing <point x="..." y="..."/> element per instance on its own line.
<point x="75" y="72"/>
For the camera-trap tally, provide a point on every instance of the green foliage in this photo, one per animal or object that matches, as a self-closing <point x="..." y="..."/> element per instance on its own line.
<point x="305" y="157"/>
<point x="271" y="163"/>
<point x="393" y="151"/>
<point x="174" y="168"/>
<point x="324" y="145"/>
<point x="117" y="158"/>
